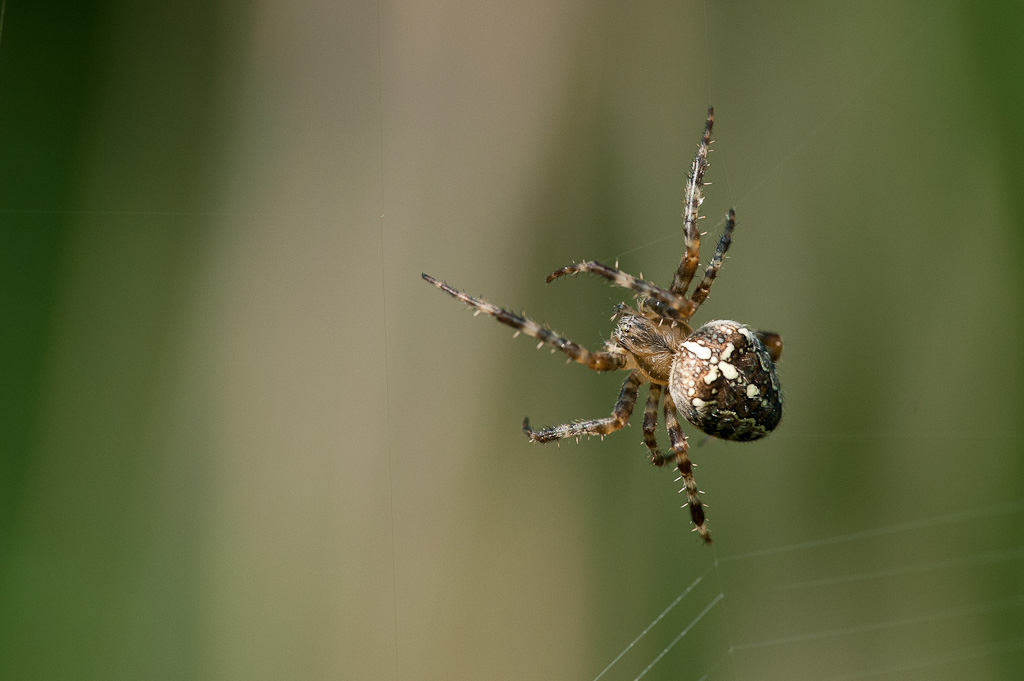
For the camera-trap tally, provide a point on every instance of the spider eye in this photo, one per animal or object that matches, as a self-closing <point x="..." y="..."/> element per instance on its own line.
<point x="723" y="381"/>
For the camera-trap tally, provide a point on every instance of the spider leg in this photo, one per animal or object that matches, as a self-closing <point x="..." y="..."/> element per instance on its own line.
<point x="688" y="265"/>
<point x="620" y="416"/>
<point x="651" y="422"/>
<point x="772" y="342"/>
<point x="673" y="306"/>
<point x="685" y="466"/>
<point x="598" y="361"/>
<point x="700" y="294"/>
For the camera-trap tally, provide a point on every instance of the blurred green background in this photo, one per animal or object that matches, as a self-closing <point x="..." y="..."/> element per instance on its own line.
<point x="241" y="439"/>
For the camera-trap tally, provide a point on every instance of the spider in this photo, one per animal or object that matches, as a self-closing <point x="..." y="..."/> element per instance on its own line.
<point x="721" y="376"/>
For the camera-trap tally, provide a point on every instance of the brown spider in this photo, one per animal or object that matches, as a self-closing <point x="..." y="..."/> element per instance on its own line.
<point x="721" y="376"/>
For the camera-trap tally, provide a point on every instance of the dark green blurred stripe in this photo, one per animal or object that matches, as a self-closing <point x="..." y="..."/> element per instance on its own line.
<point x="29" y="263"/>
<point x="46" y="57"/>
<point x="996" y="33"/>
<point x="105" y="125"/>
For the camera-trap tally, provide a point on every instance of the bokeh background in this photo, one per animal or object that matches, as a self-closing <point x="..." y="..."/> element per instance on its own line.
<point x="241" y="439"/>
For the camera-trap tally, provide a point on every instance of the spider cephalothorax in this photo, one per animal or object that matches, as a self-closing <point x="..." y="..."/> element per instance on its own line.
<point x="721" y="376"/>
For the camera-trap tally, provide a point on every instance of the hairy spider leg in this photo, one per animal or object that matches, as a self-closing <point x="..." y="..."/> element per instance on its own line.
<point x="685" y="466"/>
<point x="691" y="212"/>
<point x="651" y="423"/>
<point x="598" y="361"/>
<point x="675" y="307"/>
<point x="620" y="416"/>
<point x="700" y="294"/>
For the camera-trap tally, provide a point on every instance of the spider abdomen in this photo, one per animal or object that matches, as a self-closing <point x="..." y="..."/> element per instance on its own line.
<point x="723" y="380"/>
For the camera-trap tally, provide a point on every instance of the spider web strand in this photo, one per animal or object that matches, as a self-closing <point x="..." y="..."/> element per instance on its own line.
<point x="962" y="516"/>
<point x="963" y="611"/>
<point x="982" y="559"/>
<point x="683" y="633"/>
<point x="965" y="654"/>
<point x="657" y="619"/>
